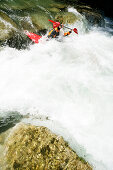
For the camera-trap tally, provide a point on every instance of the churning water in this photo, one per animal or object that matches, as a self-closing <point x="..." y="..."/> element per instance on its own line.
<point x="71" y="83"/>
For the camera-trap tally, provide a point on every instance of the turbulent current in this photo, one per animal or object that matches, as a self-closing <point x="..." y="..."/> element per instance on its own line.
<point x="66" y="85"/>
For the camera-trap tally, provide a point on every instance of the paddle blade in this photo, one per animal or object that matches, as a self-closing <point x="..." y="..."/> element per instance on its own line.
<point x="75" y="30"/>
<point x="34" y="37"/>
<point x="52" y="21"/>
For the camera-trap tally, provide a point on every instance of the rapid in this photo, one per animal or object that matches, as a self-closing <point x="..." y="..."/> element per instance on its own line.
<point x="67" y="86"/>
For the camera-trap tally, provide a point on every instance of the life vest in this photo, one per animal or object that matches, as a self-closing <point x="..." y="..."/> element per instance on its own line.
<point x="54" y="33"/>
<point x="67" y="33"/>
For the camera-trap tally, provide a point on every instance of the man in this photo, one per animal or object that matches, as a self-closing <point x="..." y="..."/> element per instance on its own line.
<point x="54" y="33"/>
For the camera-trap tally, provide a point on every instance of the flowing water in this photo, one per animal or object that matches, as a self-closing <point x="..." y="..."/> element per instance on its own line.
<point x="67" y="86"/>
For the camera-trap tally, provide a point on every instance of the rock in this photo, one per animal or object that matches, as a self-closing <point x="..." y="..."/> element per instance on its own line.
<point x="94" y="17"/>
<point x="58" y="5"/>
<point x="7" y="26"/>
<point x="18" y="5"/>
<point x="18" y="41"/>
<point x="31" y="147"/>
<point x="69" y="1"/>
<point x="9" y="120"/>
<point x="26" y="24"/>
<point x="40" y="20"/>
<point x="66" y="17"/>
<point x="105" y="6"/>
<point x="54" y="9"/>
<point x="3" y="137"/>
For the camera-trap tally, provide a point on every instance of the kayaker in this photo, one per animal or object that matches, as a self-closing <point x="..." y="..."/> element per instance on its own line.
<point x="54" y="33"/>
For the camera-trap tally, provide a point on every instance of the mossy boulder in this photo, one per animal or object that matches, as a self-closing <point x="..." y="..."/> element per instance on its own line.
<point x="58" y="5"/>
<point x="53" y="9"/>
<point x="40" y="20"/>
<point x="7" y="26"/>
<point x="18" y="4"/>
<point x="27" y="24"/>
<point x="66" y="17"/>
<point x="31" y="147"/>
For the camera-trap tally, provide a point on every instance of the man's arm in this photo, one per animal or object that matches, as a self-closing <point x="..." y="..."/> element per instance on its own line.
<point x="67" y="33"/>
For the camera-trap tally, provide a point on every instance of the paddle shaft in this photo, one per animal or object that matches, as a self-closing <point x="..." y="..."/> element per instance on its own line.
<point x="67" y="27"/>
<point x="75" y="30"/>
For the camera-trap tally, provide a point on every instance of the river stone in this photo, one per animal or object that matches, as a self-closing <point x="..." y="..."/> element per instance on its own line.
<point x="54" y="9"/>
<point x="27" y="25"/>
<point x="18" y="4"/>
<point x="3" y="137"/>
<point x="7" y="26"/>
<point x="66" y="17"/>
<point x="31" y="147"/>
<point x="58" y="5"/>
<point x="93" y="16"/>
<point x="40" y="20"/>
<point x="105" y="6"/>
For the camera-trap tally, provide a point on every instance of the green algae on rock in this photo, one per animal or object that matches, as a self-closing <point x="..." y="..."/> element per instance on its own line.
<point x="31" y="147"/>
<point x="40" y="20"/>
<point x="7" y="26"/>
<point x="54" y="9"/>
<point x="66" y="17"/>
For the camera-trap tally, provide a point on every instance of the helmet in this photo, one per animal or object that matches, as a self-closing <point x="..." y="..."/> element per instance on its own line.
<point x="56" y="24"/>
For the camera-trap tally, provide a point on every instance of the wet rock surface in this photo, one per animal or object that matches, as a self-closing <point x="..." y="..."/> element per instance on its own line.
<point x="66" y="17"/>
<point x="93" y="17"/>
<point x="31" y="147"/>
<point x="7" y="26"/>
<point x="105" y="6"/>
<point x="9" y="120"/>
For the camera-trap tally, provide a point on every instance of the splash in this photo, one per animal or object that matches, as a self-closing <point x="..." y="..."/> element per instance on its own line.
<point x="71" y="83"/>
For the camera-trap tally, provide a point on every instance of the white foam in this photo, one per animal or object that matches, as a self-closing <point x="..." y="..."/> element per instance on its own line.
<point x="71" y="82"/>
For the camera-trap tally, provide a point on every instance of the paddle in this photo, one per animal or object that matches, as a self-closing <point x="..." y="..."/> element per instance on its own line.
<point x="52" y="21"/>
<point x="75" y="30"/>
<point x="36" y="38"/>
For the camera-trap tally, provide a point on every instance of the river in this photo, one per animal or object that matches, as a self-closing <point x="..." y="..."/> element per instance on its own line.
<point x="67" y="86"/>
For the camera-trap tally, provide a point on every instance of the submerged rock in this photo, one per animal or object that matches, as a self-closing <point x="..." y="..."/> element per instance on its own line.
<point x="31" y="147"/>
<point x="9" y="120"/>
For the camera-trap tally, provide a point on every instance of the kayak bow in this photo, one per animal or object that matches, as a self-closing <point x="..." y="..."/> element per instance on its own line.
<point x="34" y="37"/>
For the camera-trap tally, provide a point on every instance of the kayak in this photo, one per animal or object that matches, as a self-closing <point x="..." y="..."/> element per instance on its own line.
<point x="34" y="37"/>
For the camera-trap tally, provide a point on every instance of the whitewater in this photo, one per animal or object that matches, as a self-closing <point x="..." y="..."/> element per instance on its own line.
<point x="67" y="86"/>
